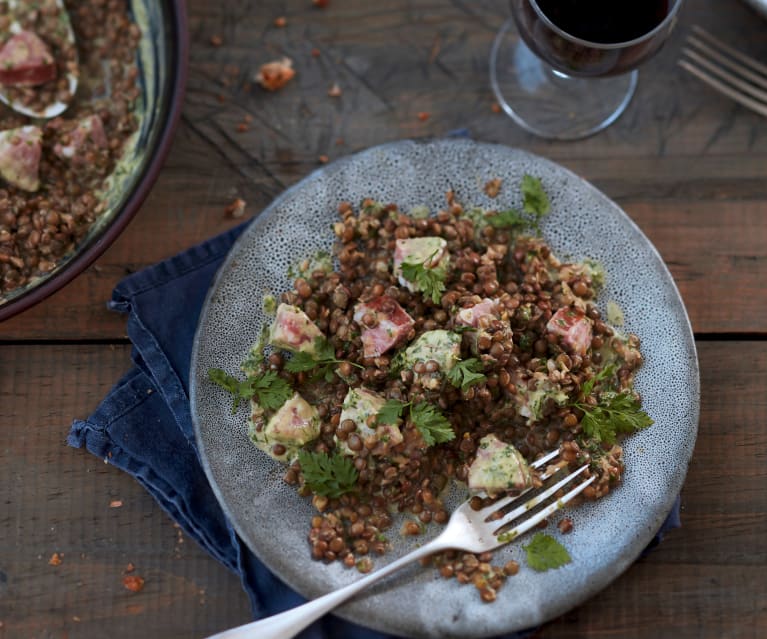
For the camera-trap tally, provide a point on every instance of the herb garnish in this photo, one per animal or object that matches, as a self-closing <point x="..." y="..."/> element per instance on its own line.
<point x="323" y="359"/>
<point x="544" y="553"/>
<point x="615" y="412"/>
<point x="535" y="204"/>
<point x="331" y="476"/>
<point x="433" y="425"/>
<point x="430" y="281"/>
<point x="269" y="388"/>
<point x="466" y="373"/>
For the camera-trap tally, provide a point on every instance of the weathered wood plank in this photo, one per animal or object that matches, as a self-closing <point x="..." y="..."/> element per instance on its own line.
<point x="705" y="580"/>
<point x="684" y="162"/>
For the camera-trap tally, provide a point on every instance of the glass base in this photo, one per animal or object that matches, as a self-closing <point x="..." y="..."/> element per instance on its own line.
<point x="549" y="103"/>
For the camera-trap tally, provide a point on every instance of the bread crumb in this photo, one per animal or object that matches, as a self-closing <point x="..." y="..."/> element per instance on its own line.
<point x="493" y="187"/>
<point x="495" y="107"/>
<point x="116" y="503"/>
<point x="423" y="115"/>
<point x="276" y="74"/>
<point x="236" y="209"/>
<point x="324" y="159"/>
<point x="134" y="583"/>
<point x="280" y="22"/>
<point x="334" y="91"/>
<point x="130" y="567"/>
<point x="216" y="40"/>
<point x="55" y="559"/>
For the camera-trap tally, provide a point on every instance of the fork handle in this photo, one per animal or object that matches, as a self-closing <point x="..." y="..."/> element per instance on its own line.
<point x="291" y="622"/>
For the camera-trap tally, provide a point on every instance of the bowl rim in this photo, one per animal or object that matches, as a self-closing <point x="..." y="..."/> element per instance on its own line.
<point x="80" y="262"/>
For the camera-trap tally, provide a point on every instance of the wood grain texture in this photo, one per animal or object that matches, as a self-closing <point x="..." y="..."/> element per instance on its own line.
<point x="705" y="580"/>
<point x="682" y="161"/>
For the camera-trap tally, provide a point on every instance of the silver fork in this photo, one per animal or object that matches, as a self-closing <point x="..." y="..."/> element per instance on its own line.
<point x="468" y="529"/>
<point x="726" y="69"/>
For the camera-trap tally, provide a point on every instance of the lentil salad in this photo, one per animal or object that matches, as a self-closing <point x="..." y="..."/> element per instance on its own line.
<point x="53" y="173"/>
<point x="437" y="339"/>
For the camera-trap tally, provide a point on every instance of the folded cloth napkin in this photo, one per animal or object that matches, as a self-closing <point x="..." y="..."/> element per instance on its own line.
<point x="144" y="425"/>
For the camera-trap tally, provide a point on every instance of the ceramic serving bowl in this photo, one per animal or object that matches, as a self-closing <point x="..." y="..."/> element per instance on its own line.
<point x="162" y="66"/>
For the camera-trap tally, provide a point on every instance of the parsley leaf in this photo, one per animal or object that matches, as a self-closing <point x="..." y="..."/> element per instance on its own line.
<point x="324" y="359"/>
<point x="270" y="389"/>
<point x="601" y="376"/>
<point x="391" y="411"/>
<point x="466" y="373"/>
<point x="534" y="199"/>
<point x="433" y="425"/>
<point x="544" y="553"/>
<point x="615" y="413"/>
<point x="430" y="281"/>
<point x="508" y="219"/>
<point x="331" y="476"/>
<point x="535" y="204"/>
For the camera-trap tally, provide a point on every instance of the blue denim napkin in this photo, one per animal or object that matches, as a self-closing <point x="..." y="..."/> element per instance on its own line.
<point x="144" y="425"/>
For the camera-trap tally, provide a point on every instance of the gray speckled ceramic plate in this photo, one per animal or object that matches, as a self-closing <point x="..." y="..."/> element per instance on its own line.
<point x="608" y="535"/>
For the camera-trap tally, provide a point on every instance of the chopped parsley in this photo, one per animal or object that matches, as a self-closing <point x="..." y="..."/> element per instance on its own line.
<point x="614" y="413"/>
<point x="269" y="389"/>
<point x="535" y="205"/>
<point x="330" y="476"/>
<point x="466" y="373"/>
<point x="544" y="553"/>
<point x="324" y="359"/>
<point x="430" y="281"/>
<point x="434" y="427"/>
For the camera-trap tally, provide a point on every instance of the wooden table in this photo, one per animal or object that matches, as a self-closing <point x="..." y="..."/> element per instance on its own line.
<point x="688" y="166"/>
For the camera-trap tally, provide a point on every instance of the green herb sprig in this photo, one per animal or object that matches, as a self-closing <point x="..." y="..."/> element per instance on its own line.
<point x="430" y="281"/>
<point x="434" y="427"/>
<point x="269" y="389"/>
<point x="324" y="360"/>
<point x="466" y="373"/>
<point x="535" y="205"/>
<point x="614" y="413"/>
<point x="328" y="475"/>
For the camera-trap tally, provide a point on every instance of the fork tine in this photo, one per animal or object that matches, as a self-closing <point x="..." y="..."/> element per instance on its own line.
<point x="503" y="501"/>
<point x="731" y="51"/>
<point x="537" y="500"/>
<point x="714" y="62"/>
<point x="533" y="521"/>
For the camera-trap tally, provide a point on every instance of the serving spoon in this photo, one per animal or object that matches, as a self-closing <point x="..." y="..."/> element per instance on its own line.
<point x="57" y="107"/>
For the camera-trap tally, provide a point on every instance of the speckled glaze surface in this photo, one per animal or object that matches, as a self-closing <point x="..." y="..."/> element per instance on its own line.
<point x="608" y="535"/>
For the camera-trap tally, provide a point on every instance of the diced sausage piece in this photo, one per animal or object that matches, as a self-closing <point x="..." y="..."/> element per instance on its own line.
<point x="293" y="330"/>
<point x="88" y="134"/>
<point x="385" y="324"/>
<point x="26" y="61"/>
<point x="295" y="423"/>
<point x="472" y="316"/>
<point x="572" y="325"/>
<point x="20" y="151"/>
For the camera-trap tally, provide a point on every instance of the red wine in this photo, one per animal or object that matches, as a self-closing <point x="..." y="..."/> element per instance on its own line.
<point x="605" y="21"/>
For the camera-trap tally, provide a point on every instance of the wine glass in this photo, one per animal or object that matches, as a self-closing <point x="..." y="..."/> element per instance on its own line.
<point x="565" y="69"/>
